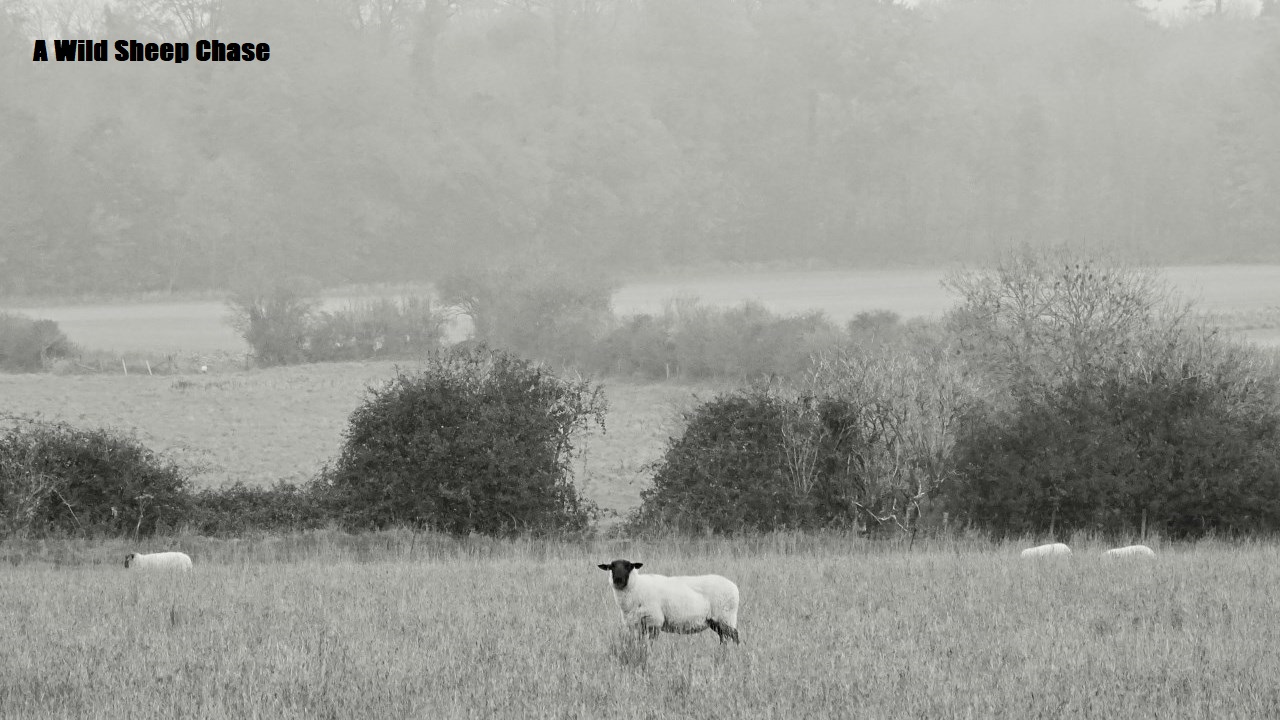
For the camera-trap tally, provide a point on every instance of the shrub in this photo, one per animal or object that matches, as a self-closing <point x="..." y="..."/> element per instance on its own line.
<point x="875" y="327"/>
<point x="274" y="322"/>
<point x="283" y="326"/>
<point x="55" y="478"/>
<point x="28" y="345"/>
<point x="1110" y="409"/>
<point x="479" y="441"/>
<point x="238" y="510"/>
<point x="551" y="315"/>
<point x="697" y="341"/>
<point x="641" y="345"/>
<point x="377" y="328"/>
<point x="1168" y="450"/>
<point x="753" y="460"/>
<point x="747" y="341"/>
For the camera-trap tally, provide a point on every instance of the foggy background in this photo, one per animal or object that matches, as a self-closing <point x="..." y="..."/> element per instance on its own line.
<point x="403" y="140"/>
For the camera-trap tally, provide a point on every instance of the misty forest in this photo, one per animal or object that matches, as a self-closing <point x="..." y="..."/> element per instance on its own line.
<point x="399" y="140"/>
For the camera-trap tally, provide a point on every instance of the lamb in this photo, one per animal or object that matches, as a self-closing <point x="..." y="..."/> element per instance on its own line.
<point x="1130" y="551"/>
<point x="158" y="561"/>
<point x="681" y="604"/>
<point x="1049" y="550"/>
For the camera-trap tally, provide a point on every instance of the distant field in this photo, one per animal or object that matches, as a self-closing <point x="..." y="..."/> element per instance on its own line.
<point x="261" y="426"/>
<point x="829" y="630"/>
<point x="200" y="327"/>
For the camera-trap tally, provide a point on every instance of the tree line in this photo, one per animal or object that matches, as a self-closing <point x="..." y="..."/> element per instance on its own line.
<point x="387" y="140"/>
<point x="1063" y="394"/>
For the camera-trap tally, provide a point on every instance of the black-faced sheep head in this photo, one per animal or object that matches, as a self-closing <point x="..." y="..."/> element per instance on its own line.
<point x="621" y="571"/>
<point x="128" y="559"/>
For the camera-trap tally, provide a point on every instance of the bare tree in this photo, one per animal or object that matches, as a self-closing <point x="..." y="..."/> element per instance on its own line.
<point x="905" y="407"/>
<point x="176" y="19"/>
<point x="1039" y="318"/>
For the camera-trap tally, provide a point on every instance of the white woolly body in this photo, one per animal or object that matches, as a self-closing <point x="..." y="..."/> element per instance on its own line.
<point x="1046" y="550"/>
<point x="1130" y="551"/>
<point x="159" y="561"/>
<point x="681" y="604"/>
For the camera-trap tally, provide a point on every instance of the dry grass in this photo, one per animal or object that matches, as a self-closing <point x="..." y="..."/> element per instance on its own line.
<point x="833" y="628"/>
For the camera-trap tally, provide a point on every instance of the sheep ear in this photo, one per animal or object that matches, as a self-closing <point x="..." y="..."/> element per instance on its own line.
<point x="636" y="566"/>
<point x="604" y="567"/>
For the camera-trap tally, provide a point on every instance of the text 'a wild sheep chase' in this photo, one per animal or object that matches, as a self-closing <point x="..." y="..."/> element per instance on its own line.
<point x="134" y="51"/>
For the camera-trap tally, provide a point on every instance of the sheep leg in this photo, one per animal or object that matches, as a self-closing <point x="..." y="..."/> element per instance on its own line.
<point x="724" y="631"/>
<point x="650" y="627"/>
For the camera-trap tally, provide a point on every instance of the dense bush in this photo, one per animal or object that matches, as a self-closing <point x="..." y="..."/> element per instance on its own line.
<point x="1108" y="408"/>
<point x="753" y="460"/>
<point x="240" y="510"/>
<point x="1177" y="452"/>
<point x="552" y="315"/>
<point x="274" y="322"/>
<point x="283" y="326"/>
<point x="55" y="478"/>
<point x="696" y="341"/>
<point x="875" y="327"/>
<point x="378" y="328"/>
<point x="747" y="341"/>
<point x="641" y="345"/>
<point x="479" y="441"/>
<point x="28" y="345"/>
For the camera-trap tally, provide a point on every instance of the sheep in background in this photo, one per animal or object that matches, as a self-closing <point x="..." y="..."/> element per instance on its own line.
<point x="1130" y="551"/>
<point x="158" y="561"/>
<point x="1050" y="550"/>
<point x="680" y="604"/>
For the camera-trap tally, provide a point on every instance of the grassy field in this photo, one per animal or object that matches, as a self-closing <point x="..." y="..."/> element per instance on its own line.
<point x="261" y="426"/>
<point x="404" y="625"/>
<point x="388" y="627"/>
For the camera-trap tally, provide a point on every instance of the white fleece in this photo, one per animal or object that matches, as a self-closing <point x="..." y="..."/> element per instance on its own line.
<point x="158" y="561"/>
<point x="1046" y="550"/>
<point x="1130" y="551"/>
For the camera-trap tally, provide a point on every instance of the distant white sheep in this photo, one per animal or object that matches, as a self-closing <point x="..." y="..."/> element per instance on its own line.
<point x="1130" y="551"/>
<point x="158" y="561"/>
<point x="680" y="604"/>
<point x="1050" y="550"/>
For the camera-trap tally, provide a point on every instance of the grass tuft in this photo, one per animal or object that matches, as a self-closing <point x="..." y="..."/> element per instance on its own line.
<point x="630" y="649"/>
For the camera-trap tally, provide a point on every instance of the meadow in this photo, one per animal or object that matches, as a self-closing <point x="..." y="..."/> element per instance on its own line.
<point x="262" y="426"/>
<point x="399" y="625"/>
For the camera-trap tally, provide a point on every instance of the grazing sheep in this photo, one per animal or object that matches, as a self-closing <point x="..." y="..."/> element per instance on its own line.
<point x="158" y="561"/>
<point x="681" y="604"/>
<point x="1130" y="551"/>
<point x="1049" y="550"/>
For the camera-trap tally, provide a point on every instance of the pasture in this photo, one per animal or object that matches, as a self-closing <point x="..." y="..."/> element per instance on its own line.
<point x="389" y="626"/>
<point x="399" y="624"/>
<point x="260" y="426"/>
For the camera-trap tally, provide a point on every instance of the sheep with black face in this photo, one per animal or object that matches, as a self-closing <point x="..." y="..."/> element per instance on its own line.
<point x="681" y="604"/>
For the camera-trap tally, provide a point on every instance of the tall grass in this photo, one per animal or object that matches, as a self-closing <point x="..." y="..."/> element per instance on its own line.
<point x="832" y="627"/>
